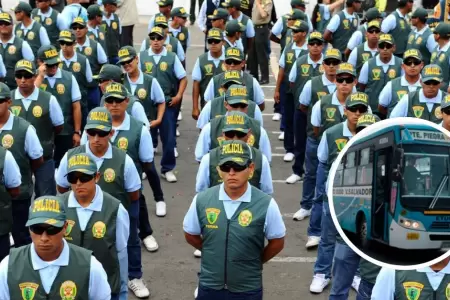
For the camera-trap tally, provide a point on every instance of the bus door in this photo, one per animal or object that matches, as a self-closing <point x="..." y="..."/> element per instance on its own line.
<point x="381" y="192"/>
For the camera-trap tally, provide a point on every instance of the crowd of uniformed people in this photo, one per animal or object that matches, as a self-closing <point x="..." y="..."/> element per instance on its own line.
<point x="81" y="113"/>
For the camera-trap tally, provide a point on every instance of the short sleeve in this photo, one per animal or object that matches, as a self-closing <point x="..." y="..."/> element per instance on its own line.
<point x="274" y="225"/>
<point x="191" y="223"/>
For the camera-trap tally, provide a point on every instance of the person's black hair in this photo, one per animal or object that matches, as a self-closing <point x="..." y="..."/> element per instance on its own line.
<point x="315" y="14"/>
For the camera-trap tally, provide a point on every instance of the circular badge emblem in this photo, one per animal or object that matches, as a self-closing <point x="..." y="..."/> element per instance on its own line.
<point x="30" y="35"/>
<point x="48" y="21"/>
<point x="76" y="67"/>
<point x="251" y="140"/>
<point x="288" y="40"/>
<point x="245" y="218"/>
<point x="181" y="37"/>
<point x="60" y="89"/>
<point x="68" y="290"/>
<point x="169" y="47"/>
<point x="88" y="51"/>
<point x="109" y="175"/>
<point x="19" y="33"/>
<point x="7" y="141"/>
<point x="392" y="74"/>
<point x="60" y="65"/>
<point x="122" y="143"/>
<point x="224" y="68"/>
<point x="163" y="66"/>
<point x="37" y="19"/>
<point x="37" y="111"/>
<point x="321" y="69"/>
<point x="114" y="25"/>
<point x="92" y="37"/>
<point x="442" y="57"/>
<point x="99" y="230"/>
<point x="142" y="93"/>
<point x="101" y="36"/>
<point x="438" y="112"/>
<point x="12" y="49"/>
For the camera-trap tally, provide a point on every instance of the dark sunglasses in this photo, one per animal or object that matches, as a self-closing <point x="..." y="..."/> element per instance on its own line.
<point x="446" y="111"/>
<point x="347" y="80"/>
<point x="78" y="27"/>
<point x="432" y="82"/>
<point x="5" y="24"/>
<point x="52" y="66"/>
<point x="297" y="31"/>
<point x="239" y="105"/>
<point x="50" y="230"/>
<point x="385" y="46"/>
<point x="124" y="63"/>
<point x="214" y="42"/>
<point x="23" y="75"/>
<point x="18" y="12"/>
<point x="232" y="134"/>
<point x="331" y="62"/>
<point x="412" y="62"/>
<point x="156" y="38"/>
<point x="112" y="100"/>
<point x="315" y="43"/>
<point x="228" y="166"/>
<point x="63" y="43"/>
<point x="100" y="133"/>
<point x="232" y="62"/>
<point x="4" y="100"/>
<point x="73" y="178"/>
<point x="361" y="109"/>
<point x="372" y="31"/>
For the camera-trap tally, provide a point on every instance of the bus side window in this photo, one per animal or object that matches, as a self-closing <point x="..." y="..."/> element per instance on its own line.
<point x="339" y="171"/>
<point x="350" y="169"/>
<point x="365" y="168"/>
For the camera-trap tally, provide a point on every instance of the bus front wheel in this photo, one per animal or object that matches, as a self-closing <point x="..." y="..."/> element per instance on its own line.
<point x="361" y="232"/>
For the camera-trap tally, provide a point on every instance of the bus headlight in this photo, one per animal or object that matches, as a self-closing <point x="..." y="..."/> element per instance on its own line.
<point x="410" y="224"/>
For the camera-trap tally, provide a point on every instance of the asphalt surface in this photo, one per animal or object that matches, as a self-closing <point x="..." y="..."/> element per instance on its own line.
<point x="171" y="272"/>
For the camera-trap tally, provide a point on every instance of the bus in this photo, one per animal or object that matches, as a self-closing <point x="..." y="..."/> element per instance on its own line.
<point x="392" y="187"/>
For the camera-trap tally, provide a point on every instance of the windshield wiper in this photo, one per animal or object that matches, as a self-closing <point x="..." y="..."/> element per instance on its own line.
<point x="438" y="192"/>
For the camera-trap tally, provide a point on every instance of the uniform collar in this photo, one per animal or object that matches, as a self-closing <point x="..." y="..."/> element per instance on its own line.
<point x="61" y="261"/>
<point x="10" y="41"/>
<point x="86" y="43"/>
<point x="72" y="59"/>
<point x="111" y="17"/>
<point x="335" y="100"/>
<point x="403" y="82"/>
<point x="347" y="15"/>
<point x="125" y="124"/>
<point x="140" y="79"/>
<point x="29" y="27"/>
<point x="167" y="40"/>
<point x="47" y="14"/>
<point x="400" y="13"/>
<point x="107" y="155"/>
<point x="445" y="270"/>
<point x="422" y="31"/>
<point x="311" y="62"/>
<point x="366" y="47"/>
<point x="93" y="29"/>
<point x="303" y="47"/>
<point x="57" y="75"/>
<point x="381" y="64"/>
<point x="239" y="19"/>
<point x="222" y="57"/>
<point x="247" y="197"/>
<point x="163" y="52"/>
<point x="34" y="95"/>
<point x="229" y="42"/>
<point x="9" y="124"/>
<point x="95" y="205"/>
<point x="346" y="131"/>
<point x="424" y="99"/>
<point x="443" y="49"/>
<point x="326" y="82"/>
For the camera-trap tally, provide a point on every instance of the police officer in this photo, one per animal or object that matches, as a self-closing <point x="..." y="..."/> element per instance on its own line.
<point x="293" y="16"/>
<point x="28" y="29"/>
<point x="398" y="26"/>
<point x="177" y="27"/>
<point x="95" y="54"/>
<point x="445" y="109"/>
<point x="96" y="32"/>
<point x="63" y="85"/>
<point x="113" y="29"/>
<point x="421" y="37"/>
<point x="50" y="19"/>
<point x="97" y="221"/>
<point x="206" y="67"/>
<point x="207" y="9"/>
<point x="409" y="82"/>
<point x="236" y="96"/>
<point x="120" y="178"/>
<point x="43" y="112"/>
<point x="53" y="267"/>
<point x="204" y="220"/>
<point x="378" y="71"/>
<point x="359" y="37"/>
<point x="367" y="50"/>
<point x="219" y="18"/>
<point x="79" y="66"/>
<point x="426" y="282"/>
<point x="211" y="134"/>
<point x="168" y="70"/>
<point x="247" y="36"/>
<point x="332" y="142"/>
<point x="13" y="49"/>
<point x="441" y="55"/>
<point x="343" y="25"/>
<point x="19" y="137"/>
<point x="322" y="13"/>
<point x="424" y="103"/>
<point x="165" y="8"/>
<point x="232" y="35"/>
<point x="234" y="61"/>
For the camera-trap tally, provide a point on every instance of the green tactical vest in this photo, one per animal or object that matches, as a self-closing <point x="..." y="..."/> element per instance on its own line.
<point x="336" y="142"/>
<point x="321" y="23"/>
<point x="290" y="57"/>
<point x="362" y="57"/>
<point x="32" y="37"/>
<point x="72" y="280"/>
<point x="182" y="36"/>
<point x="416" y="285"/>
<point x="50" y="24"/>
<point x="171" y="47"/>
<point x="420" y="43"/>
<point x="246" y="78"/>
<point x="305" y="72"/>
<point x="214" y="158"/>
<point x="5" y="199"/>
<point x="208" y="70"/>
<point x="217" y="125"/>
<point x="99" y="236"/>
<point x="78" y="70"/>
<point x="218" y="108"/>
<point x="11" y="54"/>
<point x="368" y="271"/>
<point x="38" y="115"/>
<point x="112" y="172"/>
<point x="62" y="90"/>
<point x="363" y="30"/>
<point x="92" y="55"/>
<point x="143" y="92"/>
<point x="330" y="114"/>
<point x="417" y="109"/>
<point x="162" y="71"/>
<point x="112" y="36"/>
<point x="377" y="79"/>
<point x="14" y="141"/>
<point x="397" y="92"/>
<point x="318" y="91"/>
<point x="344" y="31"/>
<point x="129" y="141"/>
<point x="232" y="249"/>
<point x="100" y="39"/>
<point x="244" y="22"/>
<point x="441" y="59"/>
<point x="400" y="34"/>
<point x="283" y="33"/>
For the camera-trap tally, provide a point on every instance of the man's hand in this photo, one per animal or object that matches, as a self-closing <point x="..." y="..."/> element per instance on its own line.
<point x="41" y="70"/>
<point x="276" y="97"/>
<point x="76" y="139"/>
<point x="195" y="113"/>
<point x="155" y="123"/>
<point x="175" y="101"/>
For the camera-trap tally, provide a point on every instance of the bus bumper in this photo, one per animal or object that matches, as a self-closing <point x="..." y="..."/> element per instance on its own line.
<point x="402" y="238"/>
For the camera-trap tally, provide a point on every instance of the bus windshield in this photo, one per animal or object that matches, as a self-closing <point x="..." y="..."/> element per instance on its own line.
<point x="426" y="184"/>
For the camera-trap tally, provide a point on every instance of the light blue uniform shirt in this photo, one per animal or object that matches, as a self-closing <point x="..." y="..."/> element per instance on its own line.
<point x="202" y="182"/>
<point x="180" y="51"/>
<point x="101" y="54"/>
<point x="431" y="42"/>
<point x="98" y="280"/>
<point x="156" y="95"/>
<point x="33" y="146"/>
<point x="72" y="11"/>
<point x="73" y="59"/>
<point x="2" y="67"/>
<point x="356" y="39"/>
<point x="205" y="115"/>
<point x="204" y="143"/>
<point x="75" y="92"/>
<point x="274" y="227"/>
<point x="250" y="28"/>
<point x="132" y="179"/>
<point x="112" y="18"/>
<point x="55" y="111"/>
<point x="297" y="50"/>
<point x="364" y="73"/>
<point x="305" y="95"/>
<point x="277" y="28"/>
<point x="27" y="53"/>
<point x="353" y="58"/>
<point x="138" y="111"/>
<point x="237" y="44"/>
<point x="196" y="72"/>
<point x="401" y="109"/>
<point x="122" y="232"/>
<point x="176" y="31"/>
<point x="258" y="93"/>
<point x="178" y="68"/>
<point x="93" y="30"/>
<point x="384" y="288"/>
<point x="43" y="36"/>
<point x="60" y="23"/>
<point x="443" y="49"/>
<point x="11" y="172"/>
<point x="390" y="22"/>
<point x="293" y="73"/>
<point x="385" y="96"/>
<point x="336" y="20"/>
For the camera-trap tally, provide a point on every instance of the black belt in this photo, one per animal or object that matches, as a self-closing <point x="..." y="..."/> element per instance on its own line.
<point x="261" y="26"/>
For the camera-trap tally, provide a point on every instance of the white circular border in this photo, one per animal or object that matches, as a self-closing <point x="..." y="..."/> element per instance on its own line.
<point x="371" y="129"/>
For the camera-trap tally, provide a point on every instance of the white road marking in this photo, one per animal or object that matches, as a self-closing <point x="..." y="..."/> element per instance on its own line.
<point x="292" y="259"/>
<point x="278" y="181"/>
<point x="276" y="132"/>
<point x="267" y="115"/>
<point x="288" y="215"/>
<point x="268" y="86"/>
<point x="278" y="154"/>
